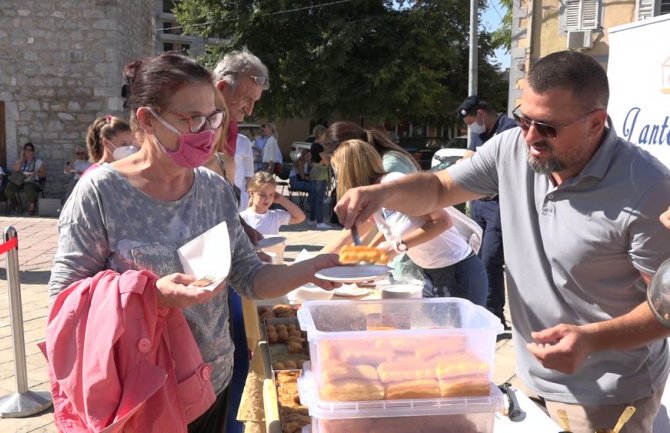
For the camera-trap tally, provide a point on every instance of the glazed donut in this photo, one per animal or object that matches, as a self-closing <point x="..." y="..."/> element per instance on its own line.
<point x="339" y="372"/>
<point x="465" y="386"/>
<point x="354" y="254"/>
<point x="413" y="389"/>
<point x="352" y="390"/>
<point x="404" y="370"/>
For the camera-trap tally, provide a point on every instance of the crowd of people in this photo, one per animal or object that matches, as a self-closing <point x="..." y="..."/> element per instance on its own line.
<point x="581" y="239"/>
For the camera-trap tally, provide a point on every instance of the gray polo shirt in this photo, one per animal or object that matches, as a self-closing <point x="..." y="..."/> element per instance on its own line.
<point x="574" y="253"/>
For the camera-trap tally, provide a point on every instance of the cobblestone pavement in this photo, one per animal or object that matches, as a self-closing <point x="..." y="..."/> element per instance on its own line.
<point x="37" y="244"/>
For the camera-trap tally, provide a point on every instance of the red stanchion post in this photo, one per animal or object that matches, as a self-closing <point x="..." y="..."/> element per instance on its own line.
<point x="23" y="402"/>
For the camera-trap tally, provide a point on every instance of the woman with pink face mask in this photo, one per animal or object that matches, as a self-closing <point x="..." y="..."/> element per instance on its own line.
<point x="135" y="213"/>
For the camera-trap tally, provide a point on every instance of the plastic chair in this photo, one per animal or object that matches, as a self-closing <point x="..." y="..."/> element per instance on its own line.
<point x="41" y="182"/>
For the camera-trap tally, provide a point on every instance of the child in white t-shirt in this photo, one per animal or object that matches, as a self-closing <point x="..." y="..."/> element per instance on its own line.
<point x="262" y="195"/>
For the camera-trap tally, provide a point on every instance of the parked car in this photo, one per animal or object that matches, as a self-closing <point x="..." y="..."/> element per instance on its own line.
<point x="446" y="157"/>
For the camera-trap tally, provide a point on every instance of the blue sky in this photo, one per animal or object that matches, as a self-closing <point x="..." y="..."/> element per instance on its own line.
<point x="491" y="20"/>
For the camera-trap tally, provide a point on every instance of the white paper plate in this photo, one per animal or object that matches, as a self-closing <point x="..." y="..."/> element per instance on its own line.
<point x="308" y="292"/>
<point x="353" y="274"/>
<point x="351" y="290"/>
<point x="269" y="242"/>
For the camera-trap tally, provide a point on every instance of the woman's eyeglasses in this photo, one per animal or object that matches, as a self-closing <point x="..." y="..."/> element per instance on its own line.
<point x="544" y="129"/>
<point x="197" y="123"/>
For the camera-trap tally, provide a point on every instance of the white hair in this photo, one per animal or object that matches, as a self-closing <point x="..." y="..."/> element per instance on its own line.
<point x="237" y="63"/>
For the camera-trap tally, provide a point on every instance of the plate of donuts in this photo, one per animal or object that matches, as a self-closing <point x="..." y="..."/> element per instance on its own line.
<point x="353" y="273"/>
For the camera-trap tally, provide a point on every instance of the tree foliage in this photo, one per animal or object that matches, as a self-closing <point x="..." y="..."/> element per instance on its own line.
<point x="383" y="60"/>
<point x="502" y="36"/>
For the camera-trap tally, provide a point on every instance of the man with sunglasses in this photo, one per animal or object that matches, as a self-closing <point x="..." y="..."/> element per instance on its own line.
<point x="582" y="238"/>
<point x="484" y="123"/>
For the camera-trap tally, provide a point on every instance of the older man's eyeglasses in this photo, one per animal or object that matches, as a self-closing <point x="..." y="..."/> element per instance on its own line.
<point x="544" y="129"/>
<point x="197" y="123"/>
<point x="258" y="79"/>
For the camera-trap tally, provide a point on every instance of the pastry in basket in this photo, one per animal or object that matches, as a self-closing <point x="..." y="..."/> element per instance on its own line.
<point x="355" y="254"/>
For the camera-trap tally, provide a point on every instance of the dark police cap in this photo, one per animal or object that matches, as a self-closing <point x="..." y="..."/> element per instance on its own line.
<point x="469" y="106"/>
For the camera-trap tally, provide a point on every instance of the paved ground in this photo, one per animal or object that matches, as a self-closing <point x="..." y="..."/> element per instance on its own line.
<point x="37" y="243"/>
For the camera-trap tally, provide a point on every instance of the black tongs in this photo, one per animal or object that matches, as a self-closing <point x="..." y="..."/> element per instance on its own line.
<point x="514" y="412"/>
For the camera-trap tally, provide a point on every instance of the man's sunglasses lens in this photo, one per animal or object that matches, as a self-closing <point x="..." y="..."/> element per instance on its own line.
<point x="546" y="131"/>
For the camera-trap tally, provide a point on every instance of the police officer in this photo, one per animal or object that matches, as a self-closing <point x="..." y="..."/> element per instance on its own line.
<point x="483" y="123"/>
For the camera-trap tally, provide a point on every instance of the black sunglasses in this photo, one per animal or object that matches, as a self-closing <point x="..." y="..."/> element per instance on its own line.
<point x="544" y="129"/>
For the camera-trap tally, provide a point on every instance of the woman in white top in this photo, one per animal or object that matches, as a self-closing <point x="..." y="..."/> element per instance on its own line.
<point x="451" y="267"/>
<point x="263" y="194"/>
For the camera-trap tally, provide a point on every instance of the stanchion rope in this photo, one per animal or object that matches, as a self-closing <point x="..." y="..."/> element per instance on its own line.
<point x="9" y="245"/>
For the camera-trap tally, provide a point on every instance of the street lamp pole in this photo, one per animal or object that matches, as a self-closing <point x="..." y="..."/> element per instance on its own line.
<point x="474" y="43"/>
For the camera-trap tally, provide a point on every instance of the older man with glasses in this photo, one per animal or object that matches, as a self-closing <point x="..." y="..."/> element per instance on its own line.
<point x="241" y="77"/>
<point x="582" y="237"/>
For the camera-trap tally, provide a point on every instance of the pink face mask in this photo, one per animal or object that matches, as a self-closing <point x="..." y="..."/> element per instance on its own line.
<point x="194" y="148"/>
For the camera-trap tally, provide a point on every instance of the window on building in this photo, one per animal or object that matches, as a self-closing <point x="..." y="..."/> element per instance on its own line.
<point x="168" y="5"/>
<point x="581" y="15"/>
<point x="171" y="28"/>
<point x="651" y="8"/>
<point x="168" y="46"/>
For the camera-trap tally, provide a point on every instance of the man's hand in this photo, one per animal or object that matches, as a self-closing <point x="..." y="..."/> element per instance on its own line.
<point x="359" y="204"/>
<point x="665" y="218"/>
<point x="563" y="347"/>
<point x="174" y="291"/>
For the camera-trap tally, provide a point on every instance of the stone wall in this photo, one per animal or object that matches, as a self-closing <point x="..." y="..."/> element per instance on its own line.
<point x="61" y="66"/>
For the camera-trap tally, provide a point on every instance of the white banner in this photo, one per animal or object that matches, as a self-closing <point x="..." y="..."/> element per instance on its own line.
<point x="639" y="77"/>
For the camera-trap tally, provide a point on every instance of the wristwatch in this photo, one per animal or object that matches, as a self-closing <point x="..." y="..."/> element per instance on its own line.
<point x="400" y="246"/>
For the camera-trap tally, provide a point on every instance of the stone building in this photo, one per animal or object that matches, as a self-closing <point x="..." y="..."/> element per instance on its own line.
<point x="61" y="66"/>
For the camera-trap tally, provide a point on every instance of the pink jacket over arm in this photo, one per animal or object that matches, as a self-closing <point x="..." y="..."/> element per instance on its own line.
<point x="119" y="362"/>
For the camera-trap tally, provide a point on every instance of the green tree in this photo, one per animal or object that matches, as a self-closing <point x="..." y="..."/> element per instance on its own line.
<point x="381" y="60"/>
<point x="502" y="36"/>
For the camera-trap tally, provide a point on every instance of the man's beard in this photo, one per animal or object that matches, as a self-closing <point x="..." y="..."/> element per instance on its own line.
<point x="552" y="165"/>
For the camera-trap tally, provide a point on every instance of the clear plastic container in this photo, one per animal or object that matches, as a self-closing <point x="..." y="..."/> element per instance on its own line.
<point x="457" y="415"/>
<point x="379" y="342"/>
<point x="658" y="294"/>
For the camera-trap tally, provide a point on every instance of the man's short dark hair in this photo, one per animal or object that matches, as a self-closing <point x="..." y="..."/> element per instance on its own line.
<point x="29" y="145"/>
<point x="573" y="71"/>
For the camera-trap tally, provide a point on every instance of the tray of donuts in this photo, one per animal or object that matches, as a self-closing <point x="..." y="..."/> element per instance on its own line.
<point x="287" y="344"/>
<point x="468" y="414"/>
<point x="394" y="349"/>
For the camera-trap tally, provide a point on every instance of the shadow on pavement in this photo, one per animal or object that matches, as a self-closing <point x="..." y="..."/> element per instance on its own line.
<point x="29" y="277"/>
